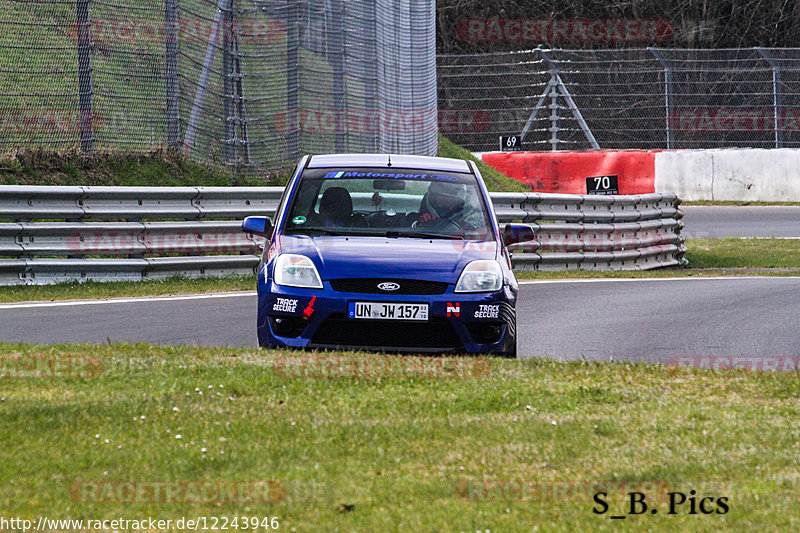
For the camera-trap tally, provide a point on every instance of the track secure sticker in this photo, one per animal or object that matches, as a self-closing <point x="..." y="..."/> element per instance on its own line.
<point x="285" y="305"/>
<point x="487" y="311"/>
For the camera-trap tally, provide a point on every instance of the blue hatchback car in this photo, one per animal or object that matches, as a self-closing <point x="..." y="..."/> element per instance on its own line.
<point x="387" y="253"/>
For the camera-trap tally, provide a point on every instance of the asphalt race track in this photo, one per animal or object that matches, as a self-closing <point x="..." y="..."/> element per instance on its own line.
<point x="649" y="320"/>
<point x="654" y="320"/>
<point x="703" y="222"/>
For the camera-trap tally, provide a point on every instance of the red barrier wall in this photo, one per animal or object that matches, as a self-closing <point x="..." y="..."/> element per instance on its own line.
<point x="566" y="172"/>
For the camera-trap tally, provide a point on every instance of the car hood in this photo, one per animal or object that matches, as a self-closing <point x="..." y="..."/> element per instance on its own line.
<point x="374" y="257"/>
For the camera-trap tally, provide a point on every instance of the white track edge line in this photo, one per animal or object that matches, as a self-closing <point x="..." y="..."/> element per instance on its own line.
<point x="135" y="299"/>
<point x="606" y="280"/>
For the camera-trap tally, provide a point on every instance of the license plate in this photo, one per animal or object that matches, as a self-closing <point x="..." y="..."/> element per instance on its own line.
<point x="387" y="311"/>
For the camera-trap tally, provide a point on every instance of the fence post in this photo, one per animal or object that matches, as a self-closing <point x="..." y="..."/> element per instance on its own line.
<point x="86" y="113"/>
<point x="292" y="85"/>
<point x="370" y="75"/>
<point x="172" y="85"/>
<point x="777" y="105"/>
<point x="202" y="84"/>
<point x="337" y="63"/>
<point x="557" y="85"/>
<point x="553" y="114"/>
<point x="667" y="93"/>
<point x="229" y="108"/>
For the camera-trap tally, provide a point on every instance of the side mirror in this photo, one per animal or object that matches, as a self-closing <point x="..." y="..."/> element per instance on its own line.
<point x="258" y="226"/>
<point x="516" y="233"/>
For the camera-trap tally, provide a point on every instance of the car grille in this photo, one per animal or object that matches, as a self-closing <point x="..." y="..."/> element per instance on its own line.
<point x="337" y="330"/>
<point x="370" y="286"/>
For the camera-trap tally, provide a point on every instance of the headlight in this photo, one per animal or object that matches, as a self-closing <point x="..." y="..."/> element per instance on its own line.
<point x="296" y="271"/>
<point x="481" y="276"/>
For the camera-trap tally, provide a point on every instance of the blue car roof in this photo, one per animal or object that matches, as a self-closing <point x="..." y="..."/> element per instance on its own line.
<point x="419" y="162"/>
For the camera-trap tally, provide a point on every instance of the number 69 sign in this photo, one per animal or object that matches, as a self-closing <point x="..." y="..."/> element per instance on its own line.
<point x="510" y="144"/>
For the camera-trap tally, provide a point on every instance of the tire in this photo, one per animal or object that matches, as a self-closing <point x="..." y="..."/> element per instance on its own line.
<point x="510" y="352"/>
<point x="510" y="347"/>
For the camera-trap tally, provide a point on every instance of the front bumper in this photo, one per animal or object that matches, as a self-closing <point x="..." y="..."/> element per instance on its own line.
<point x="318" y="319"/>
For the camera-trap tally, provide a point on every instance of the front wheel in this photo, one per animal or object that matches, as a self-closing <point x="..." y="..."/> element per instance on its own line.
<point x="509" y="350"/>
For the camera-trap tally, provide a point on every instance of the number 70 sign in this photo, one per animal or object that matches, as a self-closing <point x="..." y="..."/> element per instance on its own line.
<point x="602" y="185"/>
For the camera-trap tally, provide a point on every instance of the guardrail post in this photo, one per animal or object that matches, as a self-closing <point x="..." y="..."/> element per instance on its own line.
<point x="667" y="93"/>
<point x="171" y="74"/>
<point x="86" y="114"/>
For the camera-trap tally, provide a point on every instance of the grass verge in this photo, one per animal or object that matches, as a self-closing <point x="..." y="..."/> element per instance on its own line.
<point x="737" y="203"/>
<point x="384" y="452"/>
<point x="119" y="289"/>
<point x="743" y="253"/>
<point x="154" y="168"/>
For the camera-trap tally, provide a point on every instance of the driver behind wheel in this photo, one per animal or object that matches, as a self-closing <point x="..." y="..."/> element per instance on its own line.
<point x="442" y="201"/>
<point x="449" y="203"/>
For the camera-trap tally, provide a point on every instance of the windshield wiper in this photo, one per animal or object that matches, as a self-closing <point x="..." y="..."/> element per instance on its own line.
<point x="423" y="235"/>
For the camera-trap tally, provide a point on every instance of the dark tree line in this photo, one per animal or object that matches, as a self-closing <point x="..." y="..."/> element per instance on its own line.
<point x="474" y="26"/>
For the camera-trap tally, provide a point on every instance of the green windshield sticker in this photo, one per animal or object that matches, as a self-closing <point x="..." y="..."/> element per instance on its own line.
<point x="299" y="220"/>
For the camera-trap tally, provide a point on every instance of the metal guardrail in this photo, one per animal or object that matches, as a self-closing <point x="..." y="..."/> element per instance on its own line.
<point x="636" y="232"/>
<point x="55" y="234"/>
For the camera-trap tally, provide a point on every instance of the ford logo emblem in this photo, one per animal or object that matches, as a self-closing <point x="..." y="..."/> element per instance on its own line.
<point x="388" y="286"/>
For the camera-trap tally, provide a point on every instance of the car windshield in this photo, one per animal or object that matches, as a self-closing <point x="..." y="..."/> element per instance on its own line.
<point x="389" y="202"/>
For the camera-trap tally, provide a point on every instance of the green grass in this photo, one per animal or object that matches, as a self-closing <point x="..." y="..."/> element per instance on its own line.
<point x="737" y="203"/>
<point x="743" y="253"/>
<point x="155" y="168"/>
<point x="125" y="289"/>
<point x="647" y="274"/>
<point x="495" y="181"/>
<point x="397" y="453"/>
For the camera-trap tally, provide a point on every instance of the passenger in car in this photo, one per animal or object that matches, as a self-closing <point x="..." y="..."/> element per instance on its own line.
<point x="336" y="208"/>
